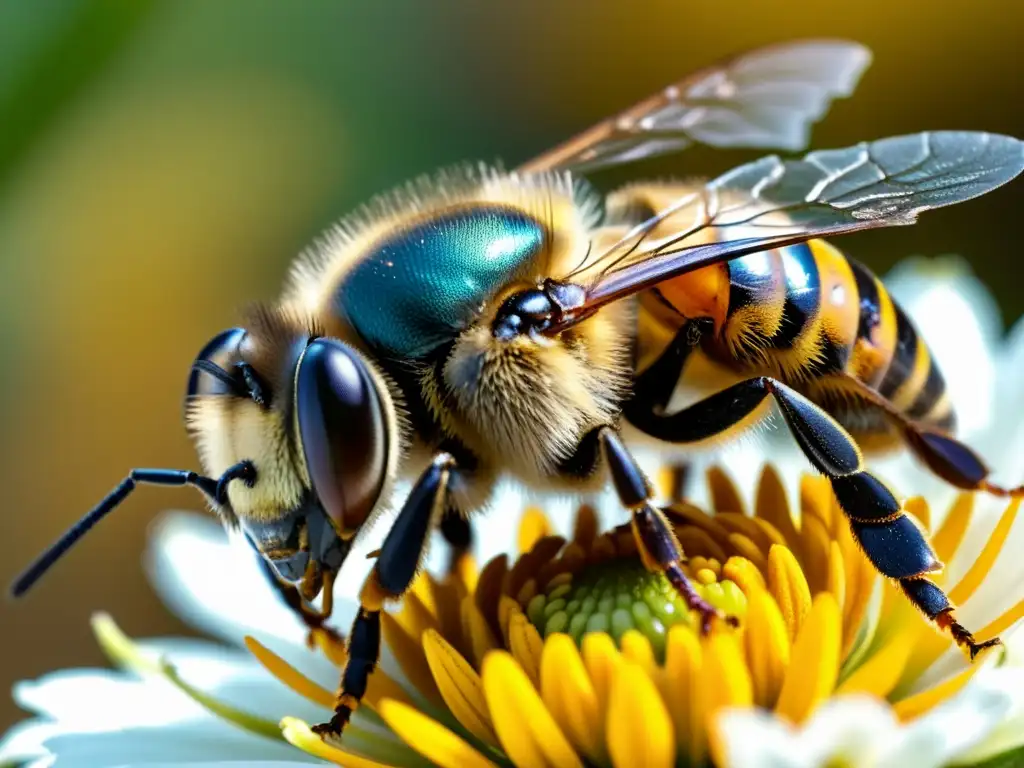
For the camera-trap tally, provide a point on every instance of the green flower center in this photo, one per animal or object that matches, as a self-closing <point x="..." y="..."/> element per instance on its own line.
<point x="618" y="595"/>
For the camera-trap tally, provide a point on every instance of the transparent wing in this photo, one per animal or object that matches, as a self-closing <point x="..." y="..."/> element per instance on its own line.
<point x="772" y="202"/>
<point x="763" y="99"/>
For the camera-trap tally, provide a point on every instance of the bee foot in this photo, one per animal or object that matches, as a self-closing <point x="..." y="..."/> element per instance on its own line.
<point x="975" y="648"/>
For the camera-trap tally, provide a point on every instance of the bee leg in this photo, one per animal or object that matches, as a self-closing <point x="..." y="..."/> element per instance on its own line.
<point x="951" y="460"/>
<point x="890" y="539"/>
<point x="654" y="388"/>
<point x="458" y="532"/>
<point x="392" y="573"/>
<point x="656" y="541"/>
<point x="946" y="456"/>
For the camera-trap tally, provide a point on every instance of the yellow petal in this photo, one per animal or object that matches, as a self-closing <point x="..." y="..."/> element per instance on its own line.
<point x="299" y="734"/>
<point x="425" y="586"/>
<point x="430" y="738"/>
<point x="746" y="548"/>
<point x="491" y="582"/>
<point x="861" y="578"/>
<point x="665" y="482"/>
<point x="637" y="648"/>
<point x="773" y="505"/>
<point x="533" y="526"/>
<point x="947" y="539"/>
<point x="524" y="726"/>
<point x="816" y="545"/>
<point x="569" y="695"/>
<point x="767" y="647"/>
<point x="918" y="704"/>
<point x="585" y="526"/>
<point x="693" y="540"/>
<point x="977" y="573"/>
<point x="526" y="645"/>
<point x="918" y="507"/>
<point x="474" y="628"/>
<point x="408" y="652"/>
<point x="601" y="658"/>
<point x="836" y="573"/>
<point x="724" y="495"/>
<point x="724" y="681"/>
<point x="811" y="676"/>
<point x="682" y="678"/>
<point x="415" y="617"/>
<point x="448" y="597"/>
<point x="734" y="522"/>
<point x="639" y="729"/>
<point x="788" y="586"/>
<point x="881" y="672"/>
<point x="1001" y="624"/>
<point x="466" y="573"/>
<point x="460" y="686"/>
<point x="288" y="675"/>
<point x="744" y="574"/>
<point x="771" y="534"/>
<point x="816" y="499"/>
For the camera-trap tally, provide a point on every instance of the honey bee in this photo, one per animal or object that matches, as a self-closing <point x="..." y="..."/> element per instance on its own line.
<point x="484" y="323"/>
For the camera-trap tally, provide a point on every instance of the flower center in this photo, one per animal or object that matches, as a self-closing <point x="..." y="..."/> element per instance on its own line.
<point x="617" y="595"/>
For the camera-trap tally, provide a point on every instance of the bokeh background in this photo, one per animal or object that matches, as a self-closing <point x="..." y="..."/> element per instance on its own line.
<point x="162" y="161"/>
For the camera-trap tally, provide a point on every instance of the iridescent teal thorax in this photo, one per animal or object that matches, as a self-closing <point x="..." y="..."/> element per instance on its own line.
<point x="419" y="287"/>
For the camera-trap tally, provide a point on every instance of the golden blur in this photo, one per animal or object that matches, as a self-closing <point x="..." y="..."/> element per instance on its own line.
<point x="176" y="183"/>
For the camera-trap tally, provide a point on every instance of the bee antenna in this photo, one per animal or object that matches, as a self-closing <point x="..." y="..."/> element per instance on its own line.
<point x="175" y="477"/>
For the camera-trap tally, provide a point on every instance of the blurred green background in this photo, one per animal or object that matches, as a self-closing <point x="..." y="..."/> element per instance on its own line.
<point x="161" y="162"/>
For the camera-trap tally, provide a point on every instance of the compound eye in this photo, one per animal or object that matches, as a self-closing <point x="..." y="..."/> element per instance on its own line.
<point x="221" y="352"/>
<point x="343" y="431"/>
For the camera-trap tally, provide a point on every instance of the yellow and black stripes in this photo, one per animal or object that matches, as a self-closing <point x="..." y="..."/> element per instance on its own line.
<point x="804" y="313"/>
<point x="892" y="359"/>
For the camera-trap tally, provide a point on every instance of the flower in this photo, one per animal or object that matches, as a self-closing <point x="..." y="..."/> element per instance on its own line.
<point x="495" y="666"/>
<point x="491" y="667"/>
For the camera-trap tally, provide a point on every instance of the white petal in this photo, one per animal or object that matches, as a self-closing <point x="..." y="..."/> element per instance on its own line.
<point x="234" y="764"/>
<point x="235" y="678"/>
<point x="950" y="730"/>
<point x="25" y="741"/>
<point x="960" y="321"/>
<point x="1009" y="734"/>
<point x="849" y="730"/>
<point x="753" y="738"/>
<point x="213" y="584"/>
<point x="99" y="700"/>
<point x="168" y="745"/>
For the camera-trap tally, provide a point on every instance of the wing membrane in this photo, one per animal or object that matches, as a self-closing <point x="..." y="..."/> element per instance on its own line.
<point x="772" y="202"/>
<point x="763" y="99"/>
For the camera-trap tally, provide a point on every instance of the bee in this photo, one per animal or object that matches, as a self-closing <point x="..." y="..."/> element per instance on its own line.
<point x="484" y="323"/>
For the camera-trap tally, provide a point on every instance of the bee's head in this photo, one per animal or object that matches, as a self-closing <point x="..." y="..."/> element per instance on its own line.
<point x="314" y="418"/>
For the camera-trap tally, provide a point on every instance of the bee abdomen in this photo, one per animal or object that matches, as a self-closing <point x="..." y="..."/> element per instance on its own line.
<point x="795" y="306"/>
<point x="892" y="358"/>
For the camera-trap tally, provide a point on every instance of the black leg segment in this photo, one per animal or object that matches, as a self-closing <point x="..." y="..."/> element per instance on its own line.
<point x="458" y="533"/>
<point x="892" y="541"/>
<point x="655" y="539"/>
<point x="392" y="573"/>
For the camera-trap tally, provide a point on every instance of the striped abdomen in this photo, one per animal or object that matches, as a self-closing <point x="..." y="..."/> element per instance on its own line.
<point x="815" y="319"/>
